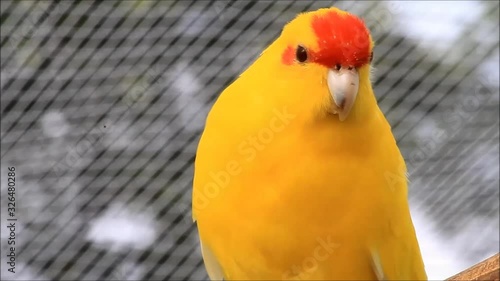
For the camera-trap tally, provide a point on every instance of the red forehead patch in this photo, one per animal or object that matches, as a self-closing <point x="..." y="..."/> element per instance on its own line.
<point x="342" y="39"/>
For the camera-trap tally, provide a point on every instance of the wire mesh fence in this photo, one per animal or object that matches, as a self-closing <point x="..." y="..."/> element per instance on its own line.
<point x="103" y="103"/>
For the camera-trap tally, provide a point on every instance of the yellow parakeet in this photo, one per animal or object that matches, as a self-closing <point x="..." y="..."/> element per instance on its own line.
<point x="297" y="173"/>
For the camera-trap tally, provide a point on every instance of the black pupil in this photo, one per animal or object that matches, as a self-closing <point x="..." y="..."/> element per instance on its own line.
<point x="301" y="54"/>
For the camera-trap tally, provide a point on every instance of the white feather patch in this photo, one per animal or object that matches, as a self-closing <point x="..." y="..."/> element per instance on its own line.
<point x="212" y="266"/>
<point x="377" y="265"/>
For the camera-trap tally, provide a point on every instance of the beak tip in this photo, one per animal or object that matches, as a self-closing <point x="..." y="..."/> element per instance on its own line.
<point x="343" y="85"/>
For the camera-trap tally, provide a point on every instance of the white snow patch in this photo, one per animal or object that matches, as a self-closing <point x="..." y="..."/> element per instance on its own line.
<point x="119" y="227"/>
<point x="193" y="22"/>
<point x="54" y="124"/>
<point x="437" y="29"/>
<point x="186" y="83"/>
<point x="440" y="259"/>
<point x="489" y="76"/>
<point x="425" y="130"/>
<point x="190" y="96"/>
<point x="128" y="271"/>
<point x="479" y="238"/>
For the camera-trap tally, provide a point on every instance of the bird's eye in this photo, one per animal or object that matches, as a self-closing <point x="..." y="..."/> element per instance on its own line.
<point x="338" y="66"/>
<point x="301" y="54"/>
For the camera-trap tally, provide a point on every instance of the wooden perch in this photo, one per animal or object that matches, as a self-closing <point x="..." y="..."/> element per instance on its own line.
<point x="488" y="269"/>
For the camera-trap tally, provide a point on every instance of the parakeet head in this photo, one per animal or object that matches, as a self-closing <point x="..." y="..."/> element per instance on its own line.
<point x="330" y="51"/>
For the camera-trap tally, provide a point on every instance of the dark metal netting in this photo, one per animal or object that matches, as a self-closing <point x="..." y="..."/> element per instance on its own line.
<point x="103" y="104"/>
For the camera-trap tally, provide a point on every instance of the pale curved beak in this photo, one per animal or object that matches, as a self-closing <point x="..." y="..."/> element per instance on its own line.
<point x="343" y="85"/>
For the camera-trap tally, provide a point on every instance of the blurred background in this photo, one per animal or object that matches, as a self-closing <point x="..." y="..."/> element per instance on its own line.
<point x="103" y="103"/>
